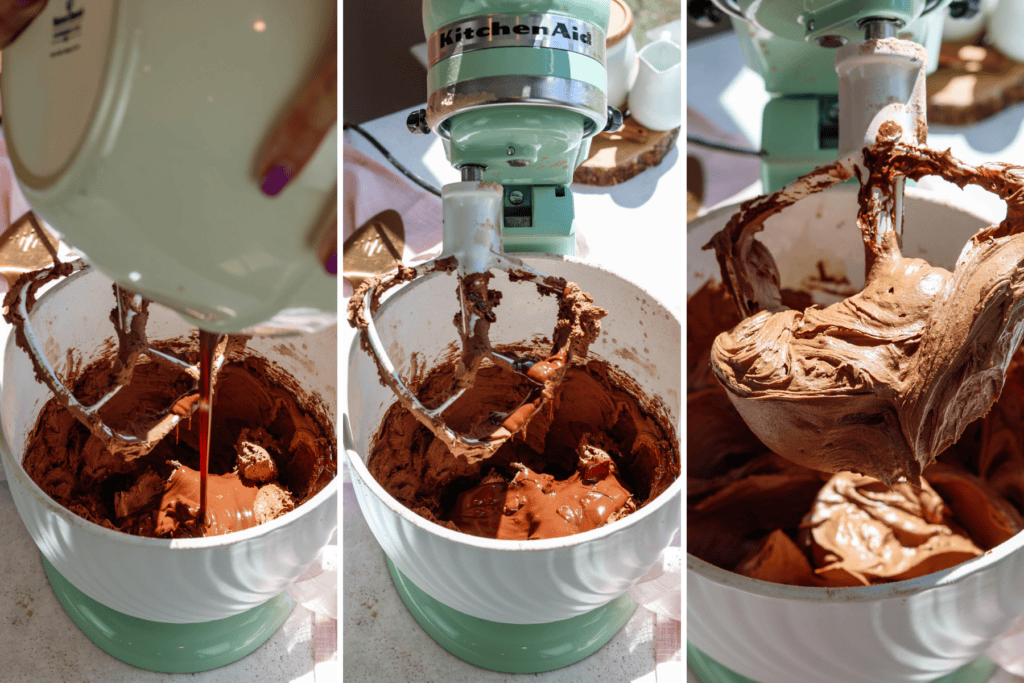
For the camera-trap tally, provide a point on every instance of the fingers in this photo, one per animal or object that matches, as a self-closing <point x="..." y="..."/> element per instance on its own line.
<point x="311" y="116"/>
<point x="15" y="16"/>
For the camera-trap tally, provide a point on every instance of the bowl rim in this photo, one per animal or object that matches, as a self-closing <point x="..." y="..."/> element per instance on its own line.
<point x="360" y="471"/>
<point x="916" y="193"/>
<point x="16" y="471"/>
<point x="882" y="591"/>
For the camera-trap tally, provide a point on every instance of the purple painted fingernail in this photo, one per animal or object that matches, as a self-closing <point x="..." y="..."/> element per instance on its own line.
<point x="275" y="180"/>
<point x="332" y="263"/>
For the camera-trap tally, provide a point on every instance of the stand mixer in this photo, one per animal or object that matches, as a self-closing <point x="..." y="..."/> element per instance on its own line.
<point x="791" y="43"/>
<point x="133" y="129"/>
<point x="515" y="91"/>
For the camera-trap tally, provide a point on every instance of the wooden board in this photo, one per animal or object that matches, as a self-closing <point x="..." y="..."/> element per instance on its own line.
<point x="616" y="157"/>
<point x="694" y="187"/>
<point x="972" y="83"/>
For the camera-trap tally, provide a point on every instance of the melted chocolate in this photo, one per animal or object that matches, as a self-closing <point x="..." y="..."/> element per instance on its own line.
<point x="158" y="494"/>
<point x="591" y="455"/>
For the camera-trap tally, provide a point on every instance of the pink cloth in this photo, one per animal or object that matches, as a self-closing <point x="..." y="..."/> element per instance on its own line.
<point x="325" y="649"/>
<point x="660" y="591"/>
<point x="317" y="591"/>
<point x="372" y="187"/>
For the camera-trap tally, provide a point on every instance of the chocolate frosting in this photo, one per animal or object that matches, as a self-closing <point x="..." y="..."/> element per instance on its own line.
<point x="989" y="518"/>
<point x="592" y="454"/>
<point x="157" y="494"/>
<point x="777" y="558"/>
<point x="861" y="532"/>
<point x="763" y="516"/>
<point x="535" y="505"/>
<point x="887" y="379"/>
<point x="577" y="326"/>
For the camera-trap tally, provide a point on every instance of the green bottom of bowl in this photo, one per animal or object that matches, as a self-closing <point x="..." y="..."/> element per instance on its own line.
<point x="708" y="670"/>
<point x="170" y="648"/>
<point x="513" y="648"/>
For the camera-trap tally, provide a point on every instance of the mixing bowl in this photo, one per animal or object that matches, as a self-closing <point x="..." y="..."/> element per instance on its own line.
<point x="161" y="580"/>
<point x="915" y="630"/>
<point x="517" y="582"/>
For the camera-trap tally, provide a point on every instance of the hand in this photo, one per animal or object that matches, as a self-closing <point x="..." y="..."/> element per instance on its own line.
<point x="15" y="16"/>
<point x="298" y="134"/>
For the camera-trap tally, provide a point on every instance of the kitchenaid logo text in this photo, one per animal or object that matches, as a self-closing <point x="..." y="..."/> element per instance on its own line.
<point x="496" y="28"/>
<point x="539" y="30"/>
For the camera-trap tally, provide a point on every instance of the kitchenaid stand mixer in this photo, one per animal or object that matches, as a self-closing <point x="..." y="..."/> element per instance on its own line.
<point x="135" y="138"/>
<point x="515" y="94"/>
<point x="515" y="91"/>
<point x="790" y="43"/>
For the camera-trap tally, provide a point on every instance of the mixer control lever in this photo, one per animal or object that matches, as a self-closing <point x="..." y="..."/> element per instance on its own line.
<point x="614" y="120"/>
<point x="964" y="9"/>
<point x="417" y="122"/>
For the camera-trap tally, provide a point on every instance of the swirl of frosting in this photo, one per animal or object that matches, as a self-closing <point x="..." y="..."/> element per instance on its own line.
<point x="884" y="381"/>
<point x="862" y="532"/>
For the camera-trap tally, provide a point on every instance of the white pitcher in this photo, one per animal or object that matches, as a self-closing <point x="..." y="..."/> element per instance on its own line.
<point x="655" y="100"/>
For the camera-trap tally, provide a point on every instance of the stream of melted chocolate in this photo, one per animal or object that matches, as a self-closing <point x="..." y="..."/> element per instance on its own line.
<point x="207" y="348"/>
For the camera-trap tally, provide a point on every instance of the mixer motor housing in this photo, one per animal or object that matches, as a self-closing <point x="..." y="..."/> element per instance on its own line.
<point x="791" y="44"/>
<point x="516" y="90"/>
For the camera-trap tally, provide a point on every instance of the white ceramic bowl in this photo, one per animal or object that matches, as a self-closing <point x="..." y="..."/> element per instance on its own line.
<point x="140" y="123"/>
<point x="171" y="581"/>
<point x="916" y="630"/>
<point x="521" y="582"/>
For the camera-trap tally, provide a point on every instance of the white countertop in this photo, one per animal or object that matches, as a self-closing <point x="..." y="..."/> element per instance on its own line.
<point x="634" y="229"/>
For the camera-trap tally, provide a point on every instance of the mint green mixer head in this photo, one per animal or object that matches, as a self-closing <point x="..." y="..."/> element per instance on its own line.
<point x="516" y="89"/>
<point x="791" y="44"/>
